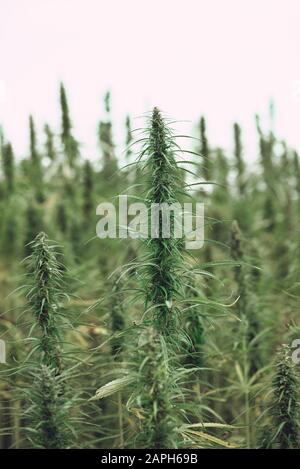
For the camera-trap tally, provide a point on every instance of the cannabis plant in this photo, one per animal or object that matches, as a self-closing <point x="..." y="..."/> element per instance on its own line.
<point x="283" y="430"/>
<point x="47" y="414"/>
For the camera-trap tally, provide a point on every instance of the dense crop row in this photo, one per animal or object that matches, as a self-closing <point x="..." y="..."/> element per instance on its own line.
<point x="142" y="343"/>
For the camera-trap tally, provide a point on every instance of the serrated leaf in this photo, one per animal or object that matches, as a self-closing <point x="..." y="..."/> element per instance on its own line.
<point x="213" y="439"/>
<point x="112" y="387"/>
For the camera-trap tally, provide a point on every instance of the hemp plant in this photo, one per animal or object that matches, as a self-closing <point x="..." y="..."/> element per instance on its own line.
<point x="160" y="275"/>
<point x="70" y="145"/>
<point x="283" y="429"/>
<point x="49" y="144"/>
<point x="164" y="258"/>
<point x="247" y="304"/>
<point x="36" y="173"/>
<point x="239" y="161"/>
<point x="8" y="165"/>
<point x="206" y="169"/>
<point x="153" y="374"/>
<point x="266" y="146"/>
<point x="48" y="410"/>
<point x="246" y="350"/>
<point x="156" y="374"/>
<point x="129" y="138"/>
<point x="87" y="191"/>
<point x="107" y="146"/>
<point x="47" y="415"/>
<point x="44" y="296"/>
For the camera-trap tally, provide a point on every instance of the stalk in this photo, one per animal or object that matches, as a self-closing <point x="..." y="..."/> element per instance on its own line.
<point x="246" y="305"/>
<point x="194" y="327"/>
<point x="248" y="329"/>
<point x="156" y="393"/>
<point x="206" y="172"/>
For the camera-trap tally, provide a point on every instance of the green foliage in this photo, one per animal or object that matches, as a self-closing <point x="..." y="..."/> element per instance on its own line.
<point x="44" y="296"/>
<point x="128" y="137"/>
<point x="179" y="342"/>
<point x="48" y="411"/>
<point x="33" y="225"/>
<point x="240" y="165"/>
<point x="88" y="182"/>
<point x="164" y="258"/>
<point x="62" y="217"/>
<point x="204" y="152"/>
<point x="117" y="315"/>
<point x="49" y="144"/>
<point x="247" y="303"/>
<point x="70" y="145"/>
<point x="109" y="161"/>
<point x="157" y="393"/>
<point x="35" y="159"/>
<point x="8" y="167"/>
<point x="66" y="125"/>
<point x="283" y="431"/>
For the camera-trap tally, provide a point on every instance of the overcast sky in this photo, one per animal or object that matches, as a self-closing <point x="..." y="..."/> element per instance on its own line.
<point x="221" y="58"/>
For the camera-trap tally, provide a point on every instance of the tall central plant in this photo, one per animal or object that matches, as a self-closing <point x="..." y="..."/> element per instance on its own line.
<point x="44" y="296"/>
<point x="164" y="258"/>
<point x="158" y="390"/>
<point x="154" y="375"/>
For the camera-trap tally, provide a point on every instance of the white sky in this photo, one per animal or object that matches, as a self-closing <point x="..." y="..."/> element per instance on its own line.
<point x="221" y="58"/>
